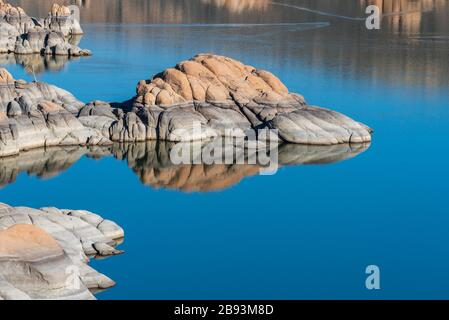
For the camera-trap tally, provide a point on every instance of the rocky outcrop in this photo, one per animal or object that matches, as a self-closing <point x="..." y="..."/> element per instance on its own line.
<point x="204" y="98"/>
<point x="228" y="98"/>
<point x="22" y="34"/>
<point x="152" y="163"/>
<point x="37" y="115"/>
<point x="44" y="253"/>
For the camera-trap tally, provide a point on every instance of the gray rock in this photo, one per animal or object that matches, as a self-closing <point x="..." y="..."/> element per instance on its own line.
<point x="14" y="109"/>
<point x="207" y="97"/>
<point x="24" y="35"/>
<point x="44" y="253"/>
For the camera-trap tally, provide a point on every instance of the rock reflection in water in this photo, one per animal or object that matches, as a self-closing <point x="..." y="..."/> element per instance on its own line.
<point x="151" y="162"/>
<point x="38" y="63"/>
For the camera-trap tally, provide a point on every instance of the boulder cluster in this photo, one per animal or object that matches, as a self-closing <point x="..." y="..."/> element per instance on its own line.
<point x="39" y="115"/>
<point x="203" y="98"/>
<point x="21" y="34"/>
<point x="44" y="253"/>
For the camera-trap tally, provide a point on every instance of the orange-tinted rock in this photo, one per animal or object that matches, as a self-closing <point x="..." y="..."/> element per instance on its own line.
<point x="179" y="83"/>
<point x="213" y="78"/>
<point x="5" y="77"/>
<point x="48" y="106"/>
<point x="27" y="242"/>
<point x="60" y="11"/>
<point x="164" y="98"/>
<point x="272" y="81"/>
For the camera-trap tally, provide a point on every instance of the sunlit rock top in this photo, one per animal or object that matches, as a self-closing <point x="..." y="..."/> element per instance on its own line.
<point x="213" y="78"/>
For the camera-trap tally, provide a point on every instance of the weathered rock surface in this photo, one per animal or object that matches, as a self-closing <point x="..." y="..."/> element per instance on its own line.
<point x="228" y="97"/>
<point x="204" y="98"/>
<point x="37" y="115"/>
<point x="22" y="34"/>
<point x="44" y="253"/>
<point x="151" y="162"/>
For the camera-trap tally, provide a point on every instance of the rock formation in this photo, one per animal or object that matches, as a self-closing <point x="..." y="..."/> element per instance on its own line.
<point x="22" y="34"/>
<point x="229" y="98"/>
<point x="151" y="162"/>
<point x="37" y="115"/>
<point x="44" y="253"/>
<point x="206" y="97"/>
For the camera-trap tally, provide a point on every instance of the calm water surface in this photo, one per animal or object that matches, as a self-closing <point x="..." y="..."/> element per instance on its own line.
<point x="310" y="230"/>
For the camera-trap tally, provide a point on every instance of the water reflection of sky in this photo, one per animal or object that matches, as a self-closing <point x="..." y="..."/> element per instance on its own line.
<point x="308" y="231"/>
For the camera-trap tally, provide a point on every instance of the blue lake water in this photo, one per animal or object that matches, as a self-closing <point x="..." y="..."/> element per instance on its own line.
<point x="307" y="232"/>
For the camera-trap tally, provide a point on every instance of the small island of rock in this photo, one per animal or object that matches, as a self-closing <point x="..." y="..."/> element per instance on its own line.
<point x="220" y="96"/>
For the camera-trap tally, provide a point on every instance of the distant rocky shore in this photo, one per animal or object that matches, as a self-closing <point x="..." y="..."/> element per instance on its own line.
<point x="217" y="95"/>
<point x="21" y="34"/>
<point x="44" y="253"/>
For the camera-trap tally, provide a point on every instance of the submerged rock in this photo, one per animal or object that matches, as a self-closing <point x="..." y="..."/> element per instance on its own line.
<point x="22" y="34"/>
<point x="44" y="253"/>
<point x="204" y="98"/>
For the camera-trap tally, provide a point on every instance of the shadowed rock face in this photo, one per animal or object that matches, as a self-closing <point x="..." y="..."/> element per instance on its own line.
<point x="22" y="34"/>
<point x="151" y="162"/>
<point x="44" y="253"/>
<point x="203" y="98"/>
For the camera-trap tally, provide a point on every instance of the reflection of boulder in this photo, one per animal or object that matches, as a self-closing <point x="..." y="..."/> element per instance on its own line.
<point x="42" y="162"/>
<point x="295" y="154"/>
<point x="239" y="6"/>
<point x="44" y="253"/>
<point x="36" y="63"/>
<point x="152" y="162"/>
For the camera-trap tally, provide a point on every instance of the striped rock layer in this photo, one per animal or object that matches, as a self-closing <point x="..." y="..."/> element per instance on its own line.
<point x="44" y="253"/>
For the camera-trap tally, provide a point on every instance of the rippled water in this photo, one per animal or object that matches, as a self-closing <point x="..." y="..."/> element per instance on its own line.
<point x="225" y="232"/>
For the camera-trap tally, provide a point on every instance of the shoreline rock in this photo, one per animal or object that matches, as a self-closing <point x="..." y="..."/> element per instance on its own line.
<point x="204" y="98"/>
<point x="21" y="34"/>
<point x="44" y="253"/>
